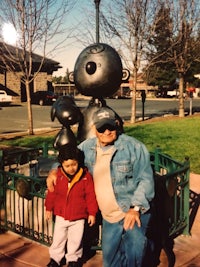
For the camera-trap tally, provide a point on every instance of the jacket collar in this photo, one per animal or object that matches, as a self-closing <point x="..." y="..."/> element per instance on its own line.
<point x="75" y="179"/>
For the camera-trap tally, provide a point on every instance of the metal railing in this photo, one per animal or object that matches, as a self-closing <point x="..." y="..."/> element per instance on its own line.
<point x="23" y="207"/>
<point x="22" y="196"/>
<point x="172" y="191"/>
<point x="22" y="192"/>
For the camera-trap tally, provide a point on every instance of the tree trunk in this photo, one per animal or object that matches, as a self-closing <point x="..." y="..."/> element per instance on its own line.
<point x="181" y="96"/>
<point x="133" y="107"/>
<point x="29" y="108"/>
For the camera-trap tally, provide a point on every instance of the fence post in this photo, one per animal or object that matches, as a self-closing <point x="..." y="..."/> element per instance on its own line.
<point x="1" y="159"/>
<point x="187" y="197"/>
<point x="1" y="184"/>
<point x="156" y="159"/>
<point x="45" y="149"/>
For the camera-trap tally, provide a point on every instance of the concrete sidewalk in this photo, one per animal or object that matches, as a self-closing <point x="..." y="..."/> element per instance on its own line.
<point x="17" y="251"/>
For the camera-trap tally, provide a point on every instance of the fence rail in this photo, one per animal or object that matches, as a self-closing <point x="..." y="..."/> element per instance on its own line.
<point x="23" y="204"/>
<point x="172" y="191"/>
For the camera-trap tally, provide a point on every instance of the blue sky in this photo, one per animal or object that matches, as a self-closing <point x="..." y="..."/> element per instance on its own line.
<point x="68" y="55"/>
<point x="84" y="8"/>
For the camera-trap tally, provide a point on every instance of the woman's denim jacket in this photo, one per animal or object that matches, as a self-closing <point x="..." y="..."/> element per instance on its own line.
<point x="131" y="172"/>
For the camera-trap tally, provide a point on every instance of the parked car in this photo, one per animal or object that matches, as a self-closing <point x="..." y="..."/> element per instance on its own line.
<point x="43" y="98"/>
<point x="122" y="93"/>
<point x="172" y="93"/>
<point x="5" y="99"/>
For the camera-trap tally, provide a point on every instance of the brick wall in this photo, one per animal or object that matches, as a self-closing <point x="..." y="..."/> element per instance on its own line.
<point x="13" y="82"/>
<point x="40" y="82"/>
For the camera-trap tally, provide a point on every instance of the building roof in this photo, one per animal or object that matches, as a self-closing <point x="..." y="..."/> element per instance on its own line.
<point x="13" y="55"/>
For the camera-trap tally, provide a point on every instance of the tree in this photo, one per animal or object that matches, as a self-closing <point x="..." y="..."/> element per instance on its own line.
<point x="127" y="23"/>
<point x="37" y="23"/>
<point x="57" y="79"/>
<point x="183" y="42"/>
<point x="160" y="70"/>
<point x="190" y="75"/>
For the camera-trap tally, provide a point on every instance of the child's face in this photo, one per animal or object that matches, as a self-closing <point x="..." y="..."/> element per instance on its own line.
<point x="70" y="166"/>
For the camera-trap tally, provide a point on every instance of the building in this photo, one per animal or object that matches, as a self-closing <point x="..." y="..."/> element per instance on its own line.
<point x="143" y="86"/>
<point x="11" y="81"/>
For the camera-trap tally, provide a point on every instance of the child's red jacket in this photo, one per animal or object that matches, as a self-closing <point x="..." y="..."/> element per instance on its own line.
<point x="75" y="200"/>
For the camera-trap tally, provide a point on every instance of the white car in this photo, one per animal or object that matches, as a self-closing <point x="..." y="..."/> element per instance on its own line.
<point x="4" y="98"/>
<point x="173" y="93"/>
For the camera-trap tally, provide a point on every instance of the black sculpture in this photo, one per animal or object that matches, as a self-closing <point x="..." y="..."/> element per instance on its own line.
<point x="67" y="113"/>
<point x="97" y="73"/>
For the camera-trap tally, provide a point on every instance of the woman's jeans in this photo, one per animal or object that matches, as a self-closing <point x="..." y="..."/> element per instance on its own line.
<point x="124" y="248"/>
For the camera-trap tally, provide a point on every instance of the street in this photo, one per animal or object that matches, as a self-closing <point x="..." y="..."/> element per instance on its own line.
<point x="13" y="118"/>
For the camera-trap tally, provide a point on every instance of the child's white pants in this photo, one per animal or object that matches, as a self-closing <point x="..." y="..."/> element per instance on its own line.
<point x="70" y="232"/>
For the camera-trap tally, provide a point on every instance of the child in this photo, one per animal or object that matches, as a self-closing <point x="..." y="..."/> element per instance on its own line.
<point x="72" y="201"/>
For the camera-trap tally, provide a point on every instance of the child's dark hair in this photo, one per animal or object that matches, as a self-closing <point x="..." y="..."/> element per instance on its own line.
<point x="70" y="152"/>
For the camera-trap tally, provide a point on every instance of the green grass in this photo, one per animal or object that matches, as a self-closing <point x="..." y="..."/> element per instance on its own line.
<point x="28" y="141"/>
<point x="178" y="138"/>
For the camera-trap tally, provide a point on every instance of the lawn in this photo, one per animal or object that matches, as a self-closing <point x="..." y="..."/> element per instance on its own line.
<point x="177" y="137"/>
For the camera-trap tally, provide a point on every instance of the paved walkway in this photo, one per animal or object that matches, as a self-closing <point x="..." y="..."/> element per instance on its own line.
<point x="16" y="251"/>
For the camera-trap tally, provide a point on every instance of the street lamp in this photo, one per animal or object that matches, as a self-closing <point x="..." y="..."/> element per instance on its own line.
<point x="97" y="3"/>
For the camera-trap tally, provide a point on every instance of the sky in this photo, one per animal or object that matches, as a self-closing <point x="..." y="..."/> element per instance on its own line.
<point x="68" y="55"/>
<point x="67" y="59"/>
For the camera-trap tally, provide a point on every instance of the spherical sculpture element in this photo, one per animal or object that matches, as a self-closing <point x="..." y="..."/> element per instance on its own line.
<point x="98" y="71"/>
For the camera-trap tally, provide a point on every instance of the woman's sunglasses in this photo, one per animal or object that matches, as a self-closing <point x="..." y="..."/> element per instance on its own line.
<point x="106" y="127"/>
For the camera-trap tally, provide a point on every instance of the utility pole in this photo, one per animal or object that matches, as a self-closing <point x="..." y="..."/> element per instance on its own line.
<point x="97" y="3"/>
